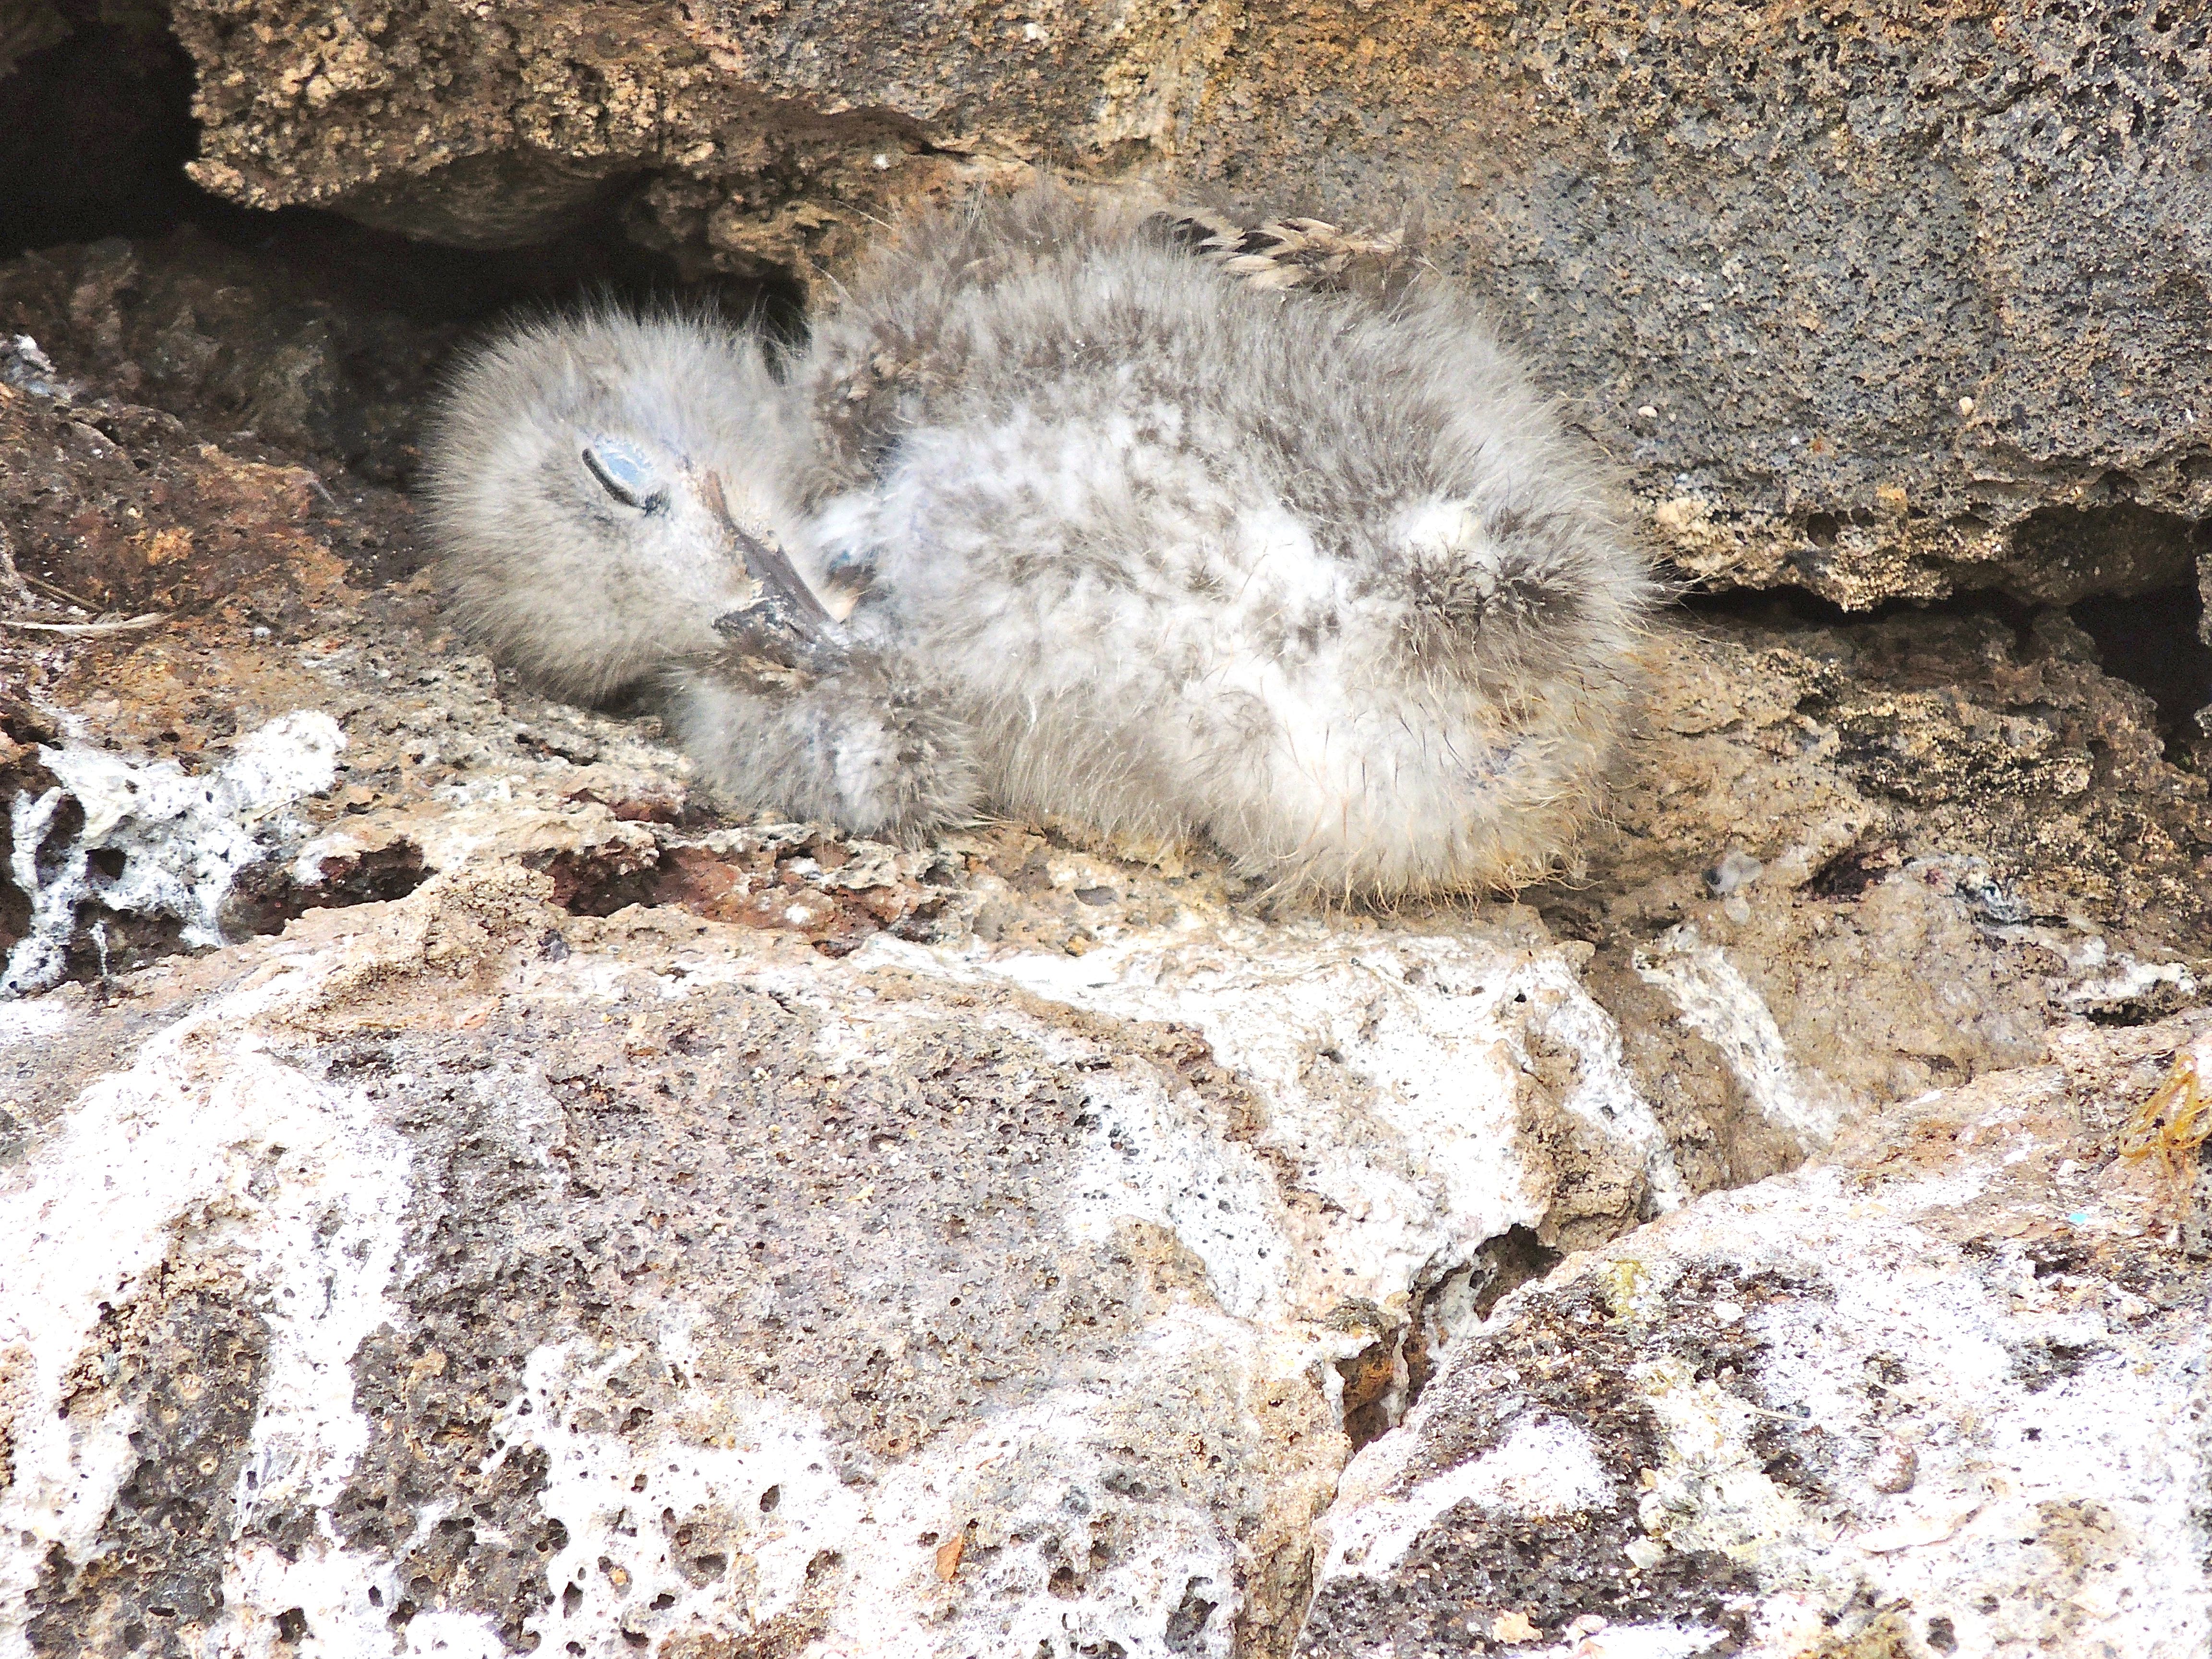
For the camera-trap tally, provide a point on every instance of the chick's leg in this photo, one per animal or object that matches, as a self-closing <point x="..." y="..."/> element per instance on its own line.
<point x="858" y="747"/>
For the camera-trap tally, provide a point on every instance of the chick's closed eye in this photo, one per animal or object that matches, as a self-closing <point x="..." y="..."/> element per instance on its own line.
<point x="624" y="473"/>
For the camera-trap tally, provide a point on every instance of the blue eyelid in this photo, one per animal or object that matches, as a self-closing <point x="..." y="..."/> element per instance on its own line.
<point x="623" y="472"/>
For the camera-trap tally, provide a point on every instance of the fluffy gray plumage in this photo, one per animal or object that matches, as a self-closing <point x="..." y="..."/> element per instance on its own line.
<point x="565" y="492"/>
<point x="1051" y="517"/>
<point x="603" y="489"/>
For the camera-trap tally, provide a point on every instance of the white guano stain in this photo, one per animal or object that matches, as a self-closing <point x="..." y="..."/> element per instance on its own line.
<point x="1721" y="1006"/>
<point x="1670" y="1640"/>
<point x="80" y="1222"/>
<point x="1545" y="1467"/>
<point x="766" y="1496"/>
<point x="1391" y="1070"/>
<point x="1148" y="1158"/>
<point x="2089" y="1487"/>
<point x="2127" y="978"/>
<point x="208" y="1143"/>
<point x="1605" y="1095"/>
<point x="693" y="1532"/>
<point x="183" y="838"/>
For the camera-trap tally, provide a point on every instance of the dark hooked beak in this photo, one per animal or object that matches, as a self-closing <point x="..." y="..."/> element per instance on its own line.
<point x="764" y="561"/>
<point x="786" y="624"/>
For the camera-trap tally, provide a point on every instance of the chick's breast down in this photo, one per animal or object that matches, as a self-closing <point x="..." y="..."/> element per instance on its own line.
<point x="1139" y="545"/>
<point x="1323" y="580"/>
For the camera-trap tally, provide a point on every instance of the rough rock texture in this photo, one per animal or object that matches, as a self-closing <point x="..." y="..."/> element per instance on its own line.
<point x="189" y="324"/>
<point x="1875" y="299"/>
<point x="1947" y="1392"/>
<point x="564" y="1219"/>
<point x="464" y="1272"/>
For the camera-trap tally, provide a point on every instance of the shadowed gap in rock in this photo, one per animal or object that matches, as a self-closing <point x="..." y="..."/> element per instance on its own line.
<point x="1503" y="1264"/>
<point x="94" y="133"/>
<point x="2112" y="547"/>
<point x="2155" y="640"/>
<point x="2142" y="603"/>
<point x="95" y="130"/>
<point x="1795" y="607"/>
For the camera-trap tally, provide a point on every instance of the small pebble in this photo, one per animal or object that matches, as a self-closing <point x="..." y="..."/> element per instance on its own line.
<point x="1737" y="869"/>
<point x="1513" y="1628"/>
<point x="1894" y="1468"/>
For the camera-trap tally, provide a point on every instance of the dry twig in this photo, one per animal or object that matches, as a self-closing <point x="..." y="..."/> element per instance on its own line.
<point x="99" y="625"/>
<point x="2172" y="1125"/>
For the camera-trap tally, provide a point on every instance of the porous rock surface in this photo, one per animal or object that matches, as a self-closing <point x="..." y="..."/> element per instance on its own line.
<point x="1946" y="1392"/>
<point x="1874" y="298"/>
<point x="462" y="1192"/>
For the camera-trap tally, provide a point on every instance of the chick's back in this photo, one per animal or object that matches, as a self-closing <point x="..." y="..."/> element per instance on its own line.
<point x="1321" y="578"/>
